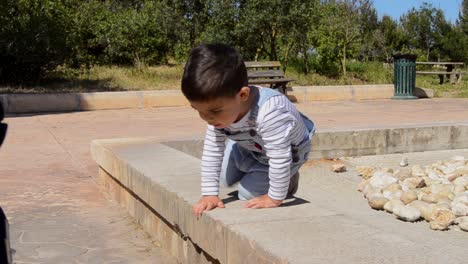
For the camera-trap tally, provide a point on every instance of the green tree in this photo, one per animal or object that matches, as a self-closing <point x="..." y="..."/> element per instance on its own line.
<point x="273" y="29"/>
<point x="339" y="34"/>
<point x="392" y="38"/>
<point x="424" y="28"/>
<point x="371" y="47"/>
<point x="33" y="38"/>
<point x="457" y="42"/>
<point x="222" y="17"/>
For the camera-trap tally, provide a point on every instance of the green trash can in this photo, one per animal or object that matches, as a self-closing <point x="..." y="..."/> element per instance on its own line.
<point x="404" y="76"/>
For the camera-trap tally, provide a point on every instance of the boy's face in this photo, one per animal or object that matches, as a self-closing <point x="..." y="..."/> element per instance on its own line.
<point x="223" y="111"/>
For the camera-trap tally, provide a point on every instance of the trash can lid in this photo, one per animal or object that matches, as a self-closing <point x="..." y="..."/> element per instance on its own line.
<point x="407" y="56"/>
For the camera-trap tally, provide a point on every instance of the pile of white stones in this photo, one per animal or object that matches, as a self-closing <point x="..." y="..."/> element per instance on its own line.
<point x="438" y="192"/>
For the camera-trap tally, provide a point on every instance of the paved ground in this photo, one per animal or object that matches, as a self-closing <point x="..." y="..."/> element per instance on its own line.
<point x="58" y="214"/>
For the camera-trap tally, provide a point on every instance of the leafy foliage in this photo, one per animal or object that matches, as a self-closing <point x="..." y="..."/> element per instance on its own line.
<point x="322" y="36"/>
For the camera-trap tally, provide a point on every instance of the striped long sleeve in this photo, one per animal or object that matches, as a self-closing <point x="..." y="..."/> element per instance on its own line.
<point x="212" y="158"/>
<point x="280" y="126"/>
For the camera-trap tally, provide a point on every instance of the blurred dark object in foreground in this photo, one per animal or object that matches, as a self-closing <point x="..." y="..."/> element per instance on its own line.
<point x="5" y="251"/>
<point x="3" y="127"/>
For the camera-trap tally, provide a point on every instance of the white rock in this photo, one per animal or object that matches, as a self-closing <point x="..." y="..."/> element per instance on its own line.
<point x="417" y="171"/>
<point x="464" y="226"/>
<point x="381" y="181"/>
<point x="434" y="175"/>
<point x="459" y="189"/>
<point x="462" y="170"/>
<point x="406" y="213"/>
<point x="463" y="219"/>
<point x="458" y="158"/>
<point x="369" y="189"/>
<point x="339" y="167"/>
<point x="429" y="198"/>
<point x="461" y="198"/>
<point x="450" y="169"/>
<point x="377" y="202"/>
<point x="451" y="196"/>
<point x="430" y="181"/>
<point x="404" y="162"/>
<point x="441" y="219"/>
<point x="375" y="194"/>
<point x="461" y="181"/>
<point x="409" y="196"/>
<point x="427" y="211"/>
<point x="362" y="184"/>
<point x="444" y="204"/>
<point x="388" y="207"/>
<point x="366" y="172"/>
<point x="440" y="167"/>
<point x="412" y="183"/>
<point x="441" y="188"/>
<point x="418" y="204"/>
<point x="453" y="176"/>
<point x="402" y="174"/>
<point x="393" y="187"/>
<point x="386" y="170"/>
<point x="459" y="209"/>
<point x="392" y="194"/>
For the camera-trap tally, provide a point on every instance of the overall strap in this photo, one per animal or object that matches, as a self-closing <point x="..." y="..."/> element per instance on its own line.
<point x="262" y="96"/>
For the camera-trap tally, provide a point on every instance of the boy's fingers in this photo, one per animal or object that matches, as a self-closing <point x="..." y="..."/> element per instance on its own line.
<point x="256" y="206"/>
<point x="210" y="206"/>
<point x="220" y="204"/>
<point x="250" y="204"/>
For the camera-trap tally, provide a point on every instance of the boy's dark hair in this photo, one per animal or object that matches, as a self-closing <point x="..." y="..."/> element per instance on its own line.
<point x="213" y="71"/>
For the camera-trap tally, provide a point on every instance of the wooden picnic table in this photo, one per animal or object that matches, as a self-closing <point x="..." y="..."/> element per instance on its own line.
<point x="454" y="74"/>
<point x="267" y="72"/>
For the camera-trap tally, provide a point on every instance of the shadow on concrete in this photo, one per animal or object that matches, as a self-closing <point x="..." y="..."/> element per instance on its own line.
<point x="233" y="196"/>
<point x="296" y="201"/>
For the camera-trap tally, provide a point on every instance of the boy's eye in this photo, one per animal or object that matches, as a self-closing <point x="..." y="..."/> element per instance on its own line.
<point x="216" y="111"/>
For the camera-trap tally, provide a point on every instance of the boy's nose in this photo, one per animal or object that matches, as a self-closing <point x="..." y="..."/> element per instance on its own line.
<point x="207" y="117"/>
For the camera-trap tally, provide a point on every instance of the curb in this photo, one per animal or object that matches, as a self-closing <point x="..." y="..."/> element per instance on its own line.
<point x="160" y="198"/>
<point x="67" y="102"/>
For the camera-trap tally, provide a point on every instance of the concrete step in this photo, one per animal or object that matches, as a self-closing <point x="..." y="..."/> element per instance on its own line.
<point x="327" y="221"/>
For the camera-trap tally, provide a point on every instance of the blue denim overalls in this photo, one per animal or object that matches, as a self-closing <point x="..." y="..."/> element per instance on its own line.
<point x="245" y="158"/>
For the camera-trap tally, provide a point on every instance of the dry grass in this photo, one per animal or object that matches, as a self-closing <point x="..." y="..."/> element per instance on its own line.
<point x="446" y="89"/>
<point x="105" y="78"/>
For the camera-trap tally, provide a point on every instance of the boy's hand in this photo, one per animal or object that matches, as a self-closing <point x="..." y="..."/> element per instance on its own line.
<point x="207" y="203"/>
<point x="263" y="201"/>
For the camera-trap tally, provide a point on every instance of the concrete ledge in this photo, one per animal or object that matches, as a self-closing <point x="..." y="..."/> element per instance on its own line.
<point x="344" y="92"/>
<point x="28" y="103"/>
<point x="158" y="184"/>
<point x="62" y="102"/>
<point x="114" y="100"/>
<point x="335" y="143"/>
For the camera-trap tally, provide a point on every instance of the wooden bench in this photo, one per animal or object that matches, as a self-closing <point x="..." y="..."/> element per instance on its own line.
<point x="269" y="73"/>
<point x="454" y="75"/>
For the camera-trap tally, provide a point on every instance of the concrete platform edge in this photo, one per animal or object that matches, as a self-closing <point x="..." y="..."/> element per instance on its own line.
<point x="66" y="102"/>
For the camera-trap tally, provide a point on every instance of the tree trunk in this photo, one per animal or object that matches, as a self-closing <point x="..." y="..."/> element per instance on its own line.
<point x="286" y="55"/>
<point x="273" y="55"/>
<point x="343" y="61"/>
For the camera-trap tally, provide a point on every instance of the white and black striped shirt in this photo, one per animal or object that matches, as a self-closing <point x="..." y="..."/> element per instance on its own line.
<point x="279" y="124"/>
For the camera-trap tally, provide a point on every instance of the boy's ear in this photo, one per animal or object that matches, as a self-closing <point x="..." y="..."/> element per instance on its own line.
<point x="244" y="93"/>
